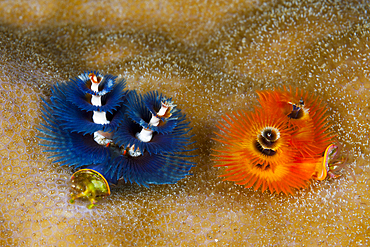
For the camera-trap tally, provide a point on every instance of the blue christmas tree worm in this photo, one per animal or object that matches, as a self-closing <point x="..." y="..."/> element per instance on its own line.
<point x="108" y="133"/>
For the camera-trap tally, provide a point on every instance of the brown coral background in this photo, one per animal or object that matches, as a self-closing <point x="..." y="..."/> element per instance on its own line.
<point x="211" y="57"/>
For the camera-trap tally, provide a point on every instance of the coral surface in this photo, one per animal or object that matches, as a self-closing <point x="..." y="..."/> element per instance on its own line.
<point x="211" y="57"/>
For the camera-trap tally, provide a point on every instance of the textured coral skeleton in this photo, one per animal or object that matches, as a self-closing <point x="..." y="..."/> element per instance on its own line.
<point x="220" y="50"/>
<point x="93" y="124"/>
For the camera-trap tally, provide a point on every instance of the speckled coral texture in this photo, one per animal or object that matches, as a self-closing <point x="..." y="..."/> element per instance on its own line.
<point x="211" y="57"/>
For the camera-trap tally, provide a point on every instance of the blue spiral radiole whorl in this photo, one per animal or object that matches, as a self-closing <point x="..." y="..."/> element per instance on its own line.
<point x="92" y="122"/>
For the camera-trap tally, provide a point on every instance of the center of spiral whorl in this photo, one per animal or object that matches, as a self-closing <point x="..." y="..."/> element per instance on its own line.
<point x="95" y="82"/>
<point x="298" y="110"/>
<point x="268" y="137"/>
<point x="94" y="78"/>
<point x="269" y="134"/>
<point x="266" y="142"/>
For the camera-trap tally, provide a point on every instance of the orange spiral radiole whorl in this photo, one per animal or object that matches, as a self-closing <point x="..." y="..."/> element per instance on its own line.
<point x="278" y="146"/>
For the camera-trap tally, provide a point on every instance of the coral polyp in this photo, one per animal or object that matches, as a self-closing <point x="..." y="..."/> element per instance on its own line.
<point x="280" y="146"/>
<point x="92" y="123"/>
